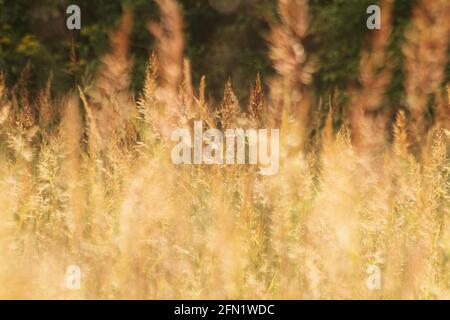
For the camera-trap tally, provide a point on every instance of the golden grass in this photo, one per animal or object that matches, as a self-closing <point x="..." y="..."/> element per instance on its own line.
<point x="90" y="183"/>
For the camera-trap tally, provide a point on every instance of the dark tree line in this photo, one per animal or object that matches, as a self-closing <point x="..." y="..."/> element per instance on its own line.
<point x="224" y="39"/>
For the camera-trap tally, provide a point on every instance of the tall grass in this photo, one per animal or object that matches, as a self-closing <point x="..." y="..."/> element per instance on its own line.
<point x="88" y="180"/>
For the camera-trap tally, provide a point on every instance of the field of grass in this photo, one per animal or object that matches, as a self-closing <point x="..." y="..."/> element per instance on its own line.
<point x="88" y="180"/>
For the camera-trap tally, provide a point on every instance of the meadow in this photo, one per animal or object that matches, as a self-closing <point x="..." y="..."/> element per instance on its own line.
<point x="88" y="180"/>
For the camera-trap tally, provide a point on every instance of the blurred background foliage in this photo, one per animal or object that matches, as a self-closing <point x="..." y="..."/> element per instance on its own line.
<point x="224" y="38"/>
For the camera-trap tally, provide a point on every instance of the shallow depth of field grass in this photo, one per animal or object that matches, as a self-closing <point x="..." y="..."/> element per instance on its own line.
<point x="87" y="180"/>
